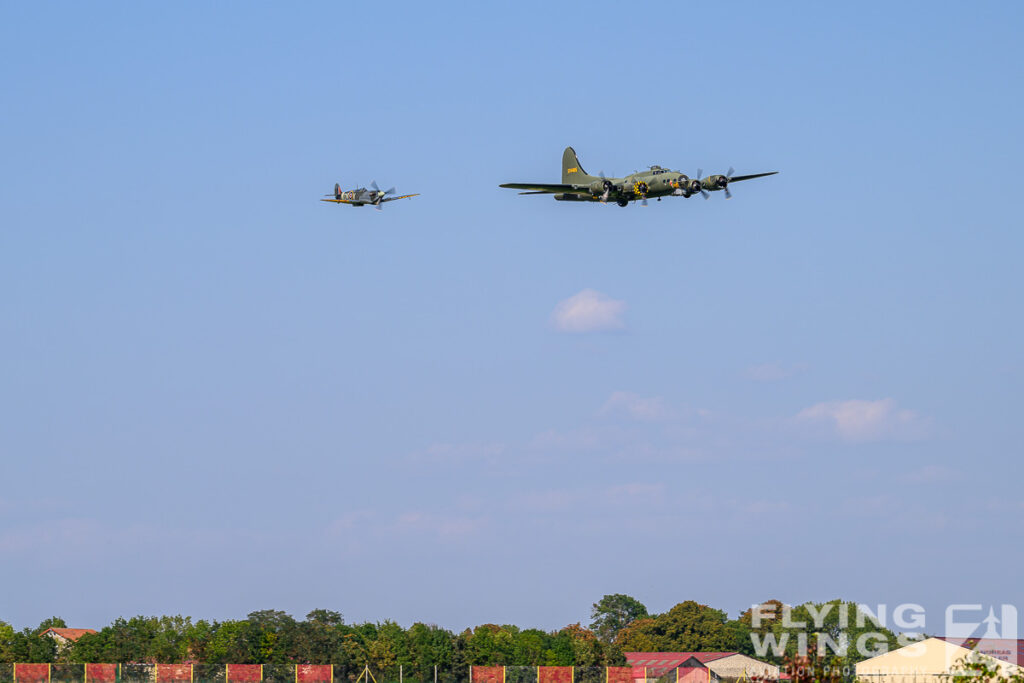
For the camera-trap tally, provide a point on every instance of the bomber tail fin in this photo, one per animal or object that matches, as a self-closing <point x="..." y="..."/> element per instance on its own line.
<point x="572" y="172"/>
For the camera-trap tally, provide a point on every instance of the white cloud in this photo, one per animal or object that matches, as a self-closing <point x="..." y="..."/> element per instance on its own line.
<point x="635" y="406"/>
<point x="863" y="420"/>
<point x="588" y="311"/>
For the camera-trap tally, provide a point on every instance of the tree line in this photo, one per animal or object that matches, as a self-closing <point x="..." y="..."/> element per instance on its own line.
<point x="619" y="624"/>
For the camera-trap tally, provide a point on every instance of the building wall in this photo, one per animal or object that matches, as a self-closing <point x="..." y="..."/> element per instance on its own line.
<point x="735" y="666"/>
<point x="62" y="642"/>
<point x="929" y="661"/>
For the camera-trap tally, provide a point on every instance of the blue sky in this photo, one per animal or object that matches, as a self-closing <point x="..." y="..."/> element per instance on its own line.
<point x="220" y="394"/>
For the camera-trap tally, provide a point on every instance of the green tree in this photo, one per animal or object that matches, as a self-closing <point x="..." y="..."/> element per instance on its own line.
<point x="979" y="668"/>
<point x="354" y="650"/>
<point x="51" y="622"/>
<point x="834" y="625"/>
<point x="747" y="636"/>
<point x="687" y="627"/>
<point x="532" y="647"/>
<point x="612" y="613"/>
<point x="382" y="653"/>
<point x="319" y="638"/>
<point x="586" y="649"/>
<point x="89" y="648"/>
<point x="429" y="646"/>
<point x="490" y="644"/>
<point x="7" y="635"/>
<point x="325" y="617"/>
<point x="228" y="643"/>
<point x="810" y="668"/>
<point x="27" y="646"/>
<point x="559" y="653"/>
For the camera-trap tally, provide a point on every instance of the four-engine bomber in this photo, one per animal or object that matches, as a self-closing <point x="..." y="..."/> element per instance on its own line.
<point x="578" y="186"/>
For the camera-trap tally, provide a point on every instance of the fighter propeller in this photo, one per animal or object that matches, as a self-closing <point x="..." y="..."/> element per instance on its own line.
<point x="380" y="195"/>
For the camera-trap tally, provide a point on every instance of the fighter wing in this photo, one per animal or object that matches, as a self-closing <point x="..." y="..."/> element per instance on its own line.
<point x="404" y="196"/>
<point x="737" y="178"/>
<point x="539" y="188"/>
<point x="342" y="201"/>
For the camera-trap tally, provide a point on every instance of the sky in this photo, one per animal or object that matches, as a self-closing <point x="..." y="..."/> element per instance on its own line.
<point x="219" y="394"/>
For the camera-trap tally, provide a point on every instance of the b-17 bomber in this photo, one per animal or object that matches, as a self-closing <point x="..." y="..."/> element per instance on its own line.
<point x="578" y="186"/>
<point x="362" y="196"/>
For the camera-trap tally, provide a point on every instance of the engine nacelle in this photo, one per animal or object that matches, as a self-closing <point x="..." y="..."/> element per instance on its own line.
<point x="685" y="186"/>
<point x="715" y="182"/>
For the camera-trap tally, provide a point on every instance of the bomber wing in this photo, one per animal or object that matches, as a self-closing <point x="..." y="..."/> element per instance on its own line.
<point x="404" y="196"/>
<point x="540" y="188"/>
<point x="737" y="178"/>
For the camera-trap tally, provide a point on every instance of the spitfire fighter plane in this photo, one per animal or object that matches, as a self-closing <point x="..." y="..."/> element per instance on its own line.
<point x="658" y="182"/>
<point x="362" y="196"/>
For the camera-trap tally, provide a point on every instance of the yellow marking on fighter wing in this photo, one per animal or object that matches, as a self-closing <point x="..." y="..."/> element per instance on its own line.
<point x="404" y="196"/>
<point x="339" y="201"/>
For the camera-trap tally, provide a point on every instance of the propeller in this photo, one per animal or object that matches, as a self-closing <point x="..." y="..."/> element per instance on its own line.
<point x="700" y="172"/>
<point x="608" y="185"/>
<point x="640" y="189"/>
<point x="685" y="186"/>
<point x="718" y="182"/>
<point x="378" y="202"/>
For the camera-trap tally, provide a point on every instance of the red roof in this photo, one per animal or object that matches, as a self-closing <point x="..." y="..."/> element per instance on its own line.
<point x="71" y="634"/>
<point x="661" y="662"/>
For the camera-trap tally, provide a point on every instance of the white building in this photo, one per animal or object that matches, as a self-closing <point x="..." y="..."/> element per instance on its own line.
<point x="929" y="661"/>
